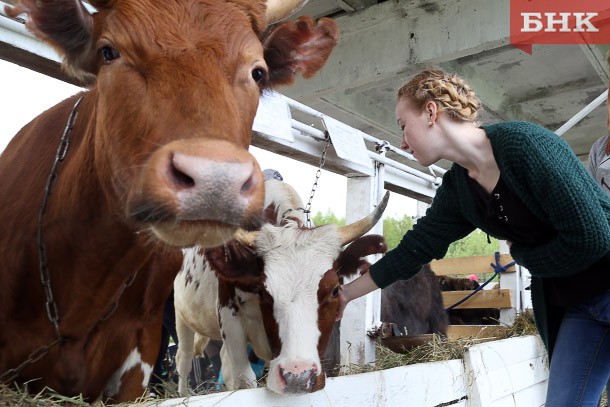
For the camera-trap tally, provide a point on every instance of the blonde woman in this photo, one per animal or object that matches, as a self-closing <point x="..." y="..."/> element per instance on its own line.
<point x="522" y="183"/>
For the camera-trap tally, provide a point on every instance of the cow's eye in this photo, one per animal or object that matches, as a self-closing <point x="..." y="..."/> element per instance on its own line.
<point x="109" y="54"/>
<point x="335" y="292"/>
<point x="258" y="74"/>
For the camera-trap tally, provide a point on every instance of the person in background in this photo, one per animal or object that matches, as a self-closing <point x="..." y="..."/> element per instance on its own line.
<point x="599" y="167"/>
<point x="599" y="155"/>
<point x="168" y="330"/>
<point x="599" y="162"/>
<point x="473" y="277"/>
<point x="522" y="183"/>
<point x="272" y="174"/>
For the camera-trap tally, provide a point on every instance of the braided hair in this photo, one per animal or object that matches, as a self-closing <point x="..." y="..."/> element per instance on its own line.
<point x="450" y="92"/>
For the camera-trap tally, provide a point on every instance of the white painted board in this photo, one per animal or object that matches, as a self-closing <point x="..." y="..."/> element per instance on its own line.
<point x="421" y="385"/>
<point x="510" y="372"/>
<point x="273" y="117"/>
<point x="502" y="372"/>
<point x="348" y="142"/>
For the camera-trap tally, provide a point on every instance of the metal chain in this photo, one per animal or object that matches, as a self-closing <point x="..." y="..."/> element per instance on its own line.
<point x="45" y="279"/>
<point x="35" y="356"/>
<point x="116" y="302"/>
<point x="307" y="209"/>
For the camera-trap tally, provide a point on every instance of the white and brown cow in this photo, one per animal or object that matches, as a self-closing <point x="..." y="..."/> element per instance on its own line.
<point x="277" y="289"/>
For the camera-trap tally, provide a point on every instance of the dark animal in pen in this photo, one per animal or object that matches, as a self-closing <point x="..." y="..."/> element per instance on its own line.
<point x="467" y="316"/>
<point x="415" y="305"/>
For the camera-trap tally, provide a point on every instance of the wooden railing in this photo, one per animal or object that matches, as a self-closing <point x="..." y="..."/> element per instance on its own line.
<point x="494" y="298"/>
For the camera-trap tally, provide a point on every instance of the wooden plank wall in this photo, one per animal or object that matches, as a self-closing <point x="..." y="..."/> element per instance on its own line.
<point x="469" y="265"/>
<point x="474" y="265"/>
<point x="496" y="298"/>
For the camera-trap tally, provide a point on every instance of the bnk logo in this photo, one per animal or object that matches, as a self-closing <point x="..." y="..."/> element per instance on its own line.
<point x="559" y="22"/>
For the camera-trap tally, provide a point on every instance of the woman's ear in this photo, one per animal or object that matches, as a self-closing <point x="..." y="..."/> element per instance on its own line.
<point x="431" y="111"/>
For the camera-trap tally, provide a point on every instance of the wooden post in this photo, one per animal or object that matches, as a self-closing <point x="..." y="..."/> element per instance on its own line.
<point x="526" y="295"/>
<point x="422" y="207"/>
<point x="511" y="281"/>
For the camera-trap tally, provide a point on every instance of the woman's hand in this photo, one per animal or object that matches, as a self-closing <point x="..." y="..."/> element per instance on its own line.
<point x="343" y="300"/>
<point x="357" y="288"/>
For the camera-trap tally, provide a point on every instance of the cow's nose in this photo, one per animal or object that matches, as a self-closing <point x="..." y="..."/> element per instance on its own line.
<point x="193" y="172"/>
<point x="298" y="378"/>
<point x="212" y="190"/>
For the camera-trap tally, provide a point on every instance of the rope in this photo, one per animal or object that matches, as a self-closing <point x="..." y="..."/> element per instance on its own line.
<point x="497" y="268"/>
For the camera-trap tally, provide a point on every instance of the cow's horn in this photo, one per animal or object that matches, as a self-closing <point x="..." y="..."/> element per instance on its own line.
<point x="244" y="237"/>
<point x="351" y="232"/>
<point x="279" y="9"/>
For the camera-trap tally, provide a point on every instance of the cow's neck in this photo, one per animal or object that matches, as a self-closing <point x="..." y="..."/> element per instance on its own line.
<point x="83" y="233"/>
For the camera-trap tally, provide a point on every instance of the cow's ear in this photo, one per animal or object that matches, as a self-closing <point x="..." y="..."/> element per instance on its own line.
<point x="351" y="261"/>
<point x="67" y="26"/>
<point x="235" y="262"/>
<point x="302" y="46"/>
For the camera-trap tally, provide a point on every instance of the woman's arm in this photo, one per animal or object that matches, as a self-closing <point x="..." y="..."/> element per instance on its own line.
<point x="429" y="239"/>
<point x="357" y="288"/>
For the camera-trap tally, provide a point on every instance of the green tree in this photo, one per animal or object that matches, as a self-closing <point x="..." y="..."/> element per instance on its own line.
<point x="326" y="218"/>
<point x="394" y="229"/>
<point x="475" y="244"/>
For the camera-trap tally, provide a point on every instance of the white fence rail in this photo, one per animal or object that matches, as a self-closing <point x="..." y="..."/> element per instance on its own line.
<point x="510" y="372"/>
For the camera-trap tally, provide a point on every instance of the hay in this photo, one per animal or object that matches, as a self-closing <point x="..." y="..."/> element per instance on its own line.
<point x="438" y="349"/>
<point x="524" y="325"/>
<point x="10" y="396"/>
<point x="165" y="390"/>
<point x="21" y="397"/>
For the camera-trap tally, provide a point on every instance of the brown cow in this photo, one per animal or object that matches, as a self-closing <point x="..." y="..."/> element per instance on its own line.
<point x="154" y="155"/>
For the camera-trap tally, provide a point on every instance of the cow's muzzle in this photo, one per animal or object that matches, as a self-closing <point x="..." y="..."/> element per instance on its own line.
<point x="198" y="187"/>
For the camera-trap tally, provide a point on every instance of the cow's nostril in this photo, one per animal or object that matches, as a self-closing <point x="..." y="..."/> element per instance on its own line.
<point x="179" y="178"/>
<point x="249" y="186"/>
<point x="298" y="381"/>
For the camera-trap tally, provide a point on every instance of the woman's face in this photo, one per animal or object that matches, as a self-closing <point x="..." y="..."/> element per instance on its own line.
<point x="415" y="127"/>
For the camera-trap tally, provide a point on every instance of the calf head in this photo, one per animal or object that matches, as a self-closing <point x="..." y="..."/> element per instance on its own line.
<point x="447" y="283"/>
<point x="177" y="88"/>
<point x="298" y="284"/>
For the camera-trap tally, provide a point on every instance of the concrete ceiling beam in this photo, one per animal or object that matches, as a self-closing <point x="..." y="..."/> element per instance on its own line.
<point x="353" y="5"/>
<point x="597" y="56"/>
<point x="396" y="37"/>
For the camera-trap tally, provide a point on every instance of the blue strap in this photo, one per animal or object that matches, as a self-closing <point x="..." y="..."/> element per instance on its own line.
<point x="497" y="268"/>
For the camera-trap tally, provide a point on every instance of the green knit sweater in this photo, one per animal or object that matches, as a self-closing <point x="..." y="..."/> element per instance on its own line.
<point x="542" y="171"/>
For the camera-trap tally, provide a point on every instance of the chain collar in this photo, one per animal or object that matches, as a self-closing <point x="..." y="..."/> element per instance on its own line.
<point x="307" y="209"/>
<point x="45" y="279"/>
<point x="51" y="305"/>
